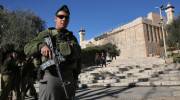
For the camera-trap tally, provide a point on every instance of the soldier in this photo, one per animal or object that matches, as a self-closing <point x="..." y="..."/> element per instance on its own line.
<point x="10" y="72"/>
<point x="103" y="59"/>
<point x="97" y="59"/>
<point x="66" y="43"/>
<point x="28" y="76"/>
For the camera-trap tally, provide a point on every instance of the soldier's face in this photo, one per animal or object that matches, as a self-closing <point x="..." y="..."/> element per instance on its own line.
<point x="62" y="20"/>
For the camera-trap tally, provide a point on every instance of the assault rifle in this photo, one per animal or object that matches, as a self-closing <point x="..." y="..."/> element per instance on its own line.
<point x="56" y="59"/>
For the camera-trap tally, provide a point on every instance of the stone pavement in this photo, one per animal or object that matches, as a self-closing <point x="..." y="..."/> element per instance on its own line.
<point x="142" y="79"/>
<point x="129" y="93"/>
<point x="131" y="79"/>
<point x="148" y="72"/>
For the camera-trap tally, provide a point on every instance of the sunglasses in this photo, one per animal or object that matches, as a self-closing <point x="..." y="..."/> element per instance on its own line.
<point x="62" y="17"/>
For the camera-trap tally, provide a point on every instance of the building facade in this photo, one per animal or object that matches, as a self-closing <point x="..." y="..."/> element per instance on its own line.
<point x="139" y="38"/>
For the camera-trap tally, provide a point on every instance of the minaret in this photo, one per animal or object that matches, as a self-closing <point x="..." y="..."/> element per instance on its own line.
<point x="81" y="35"/>
<point x="170" y="13"/>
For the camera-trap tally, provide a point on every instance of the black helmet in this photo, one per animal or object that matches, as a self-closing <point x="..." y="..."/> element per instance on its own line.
<point x="63" y="8"/>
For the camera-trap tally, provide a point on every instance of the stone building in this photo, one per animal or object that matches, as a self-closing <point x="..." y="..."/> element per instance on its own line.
<point x="138" y="38"/>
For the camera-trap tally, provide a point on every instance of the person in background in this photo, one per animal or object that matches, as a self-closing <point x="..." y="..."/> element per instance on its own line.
<point x="10" y="73"/>
<point x="103" y="59"/>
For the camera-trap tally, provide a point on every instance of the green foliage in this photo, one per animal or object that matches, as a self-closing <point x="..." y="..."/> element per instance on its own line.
<point x="173" y="39"/>
<point x="88" y="54"/>
<point x="18" y="27"/>
<point x="111" y="49"/>
<point x="176" y="57"/>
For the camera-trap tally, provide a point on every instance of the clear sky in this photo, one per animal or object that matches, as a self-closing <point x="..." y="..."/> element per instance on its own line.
<point x="96" y="16"/>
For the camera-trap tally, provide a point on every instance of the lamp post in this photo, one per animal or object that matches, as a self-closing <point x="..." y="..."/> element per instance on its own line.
<point x="162" y="27"/>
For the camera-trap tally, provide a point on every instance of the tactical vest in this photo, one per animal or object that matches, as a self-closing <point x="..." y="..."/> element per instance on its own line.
<point x="67" y="45"/>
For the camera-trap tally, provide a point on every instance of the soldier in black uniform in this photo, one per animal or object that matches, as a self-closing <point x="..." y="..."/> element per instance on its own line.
<point x="67" y="45"/>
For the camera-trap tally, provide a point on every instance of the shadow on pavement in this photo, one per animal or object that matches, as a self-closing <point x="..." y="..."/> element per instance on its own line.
<point x="90" y="91"/>
<point x="152" y="91"/>
<point x="81" y="90"/>
<point x="100" y="93"/>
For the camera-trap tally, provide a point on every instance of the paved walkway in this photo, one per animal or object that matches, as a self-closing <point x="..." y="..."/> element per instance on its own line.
<point x="130" y="93"/>
<point x="134" y="93"/>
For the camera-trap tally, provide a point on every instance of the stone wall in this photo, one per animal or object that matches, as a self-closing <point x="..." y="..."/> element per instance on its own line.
<point x="138" y="38"/>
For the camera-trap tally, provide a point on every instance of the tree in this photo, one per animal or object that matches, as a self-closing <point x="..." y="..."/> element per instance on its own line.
<point x="2" y="20"/>
<point x="173" y="39"/>
<point x="89" y="53"/>
<point x="18" y="27"/>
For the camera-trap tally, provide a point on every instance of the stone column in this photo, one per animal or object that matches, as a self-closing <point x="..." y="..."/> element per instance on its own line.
<point x="157" y="34"/>
<point x="150" y="33"/>
<point x="153" y="34"/>
<point x="160" y="35"/>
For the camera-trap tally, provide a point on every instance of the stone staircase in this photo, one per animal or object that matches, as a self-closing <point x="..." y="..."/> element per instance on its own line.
<point x="132" y="72"/>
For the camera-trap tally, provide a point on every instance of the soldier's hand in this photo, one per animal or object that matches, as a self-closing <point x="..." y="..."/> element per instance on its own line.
<point x="45" y="51"/>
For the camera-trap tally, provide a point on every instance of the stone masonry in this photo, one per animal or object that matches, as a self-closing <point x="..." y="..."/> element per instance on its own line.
<point x="138" y="38"/>
<point x="126" y="72"/>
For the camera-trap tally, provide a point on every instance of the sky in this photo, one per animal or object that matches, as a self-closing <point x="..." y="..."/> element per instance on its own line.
<point x="95" y="16"/>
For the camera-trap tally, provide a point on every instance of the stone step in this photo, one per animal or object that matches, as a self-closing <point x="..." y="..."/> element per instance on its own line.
<point x="143" y="84"/>
<point x="166" y="83"/>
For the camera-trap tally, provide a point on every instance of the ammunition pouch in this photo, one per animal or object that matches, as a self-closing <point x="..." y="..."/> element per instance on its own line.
<point x="64" y="48"/>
